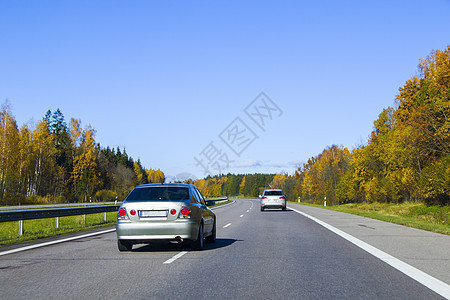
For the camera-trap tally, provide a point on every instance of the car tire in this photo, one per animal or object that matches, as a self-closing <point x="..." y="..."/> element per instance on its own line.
<point x="124" y="245"/>
<point x="283" y="209"/>
<point x="262" y="208"/>
<point x="197" y="245"/>
<point x="212" y="238"/>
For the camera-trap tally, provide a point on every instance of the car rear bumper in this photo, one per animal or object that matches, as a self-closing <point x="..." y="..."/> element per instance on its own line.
<point x="273" y="204"/>
<point x="148" y="231"/>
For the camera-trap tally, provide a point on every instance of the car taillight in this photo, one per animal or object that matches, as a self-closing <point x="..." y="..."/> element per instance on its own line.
<point x="122" y="212"/>
<point x="185" y="213"/>
<point x="264" y="198"/>
<point x="282" y="198"/>
<point x="132" y="212"/>
<point x="173" y="212"/>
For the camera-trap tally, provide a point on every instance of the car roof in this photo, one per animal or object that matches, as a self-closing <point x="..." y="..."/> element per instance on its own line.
<point x="271" y="190"/>
<point x="163" y="184"/>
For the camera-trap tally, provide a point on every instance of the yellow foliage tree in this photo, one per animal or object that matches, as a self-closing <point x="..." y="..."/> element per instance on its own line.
<point x="85" y="174"/>
<point x="9" y="158"/>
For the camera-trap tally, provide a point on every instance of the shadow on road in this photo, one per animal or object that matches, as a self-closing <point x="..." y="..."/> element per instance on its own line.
<point x="173" y="247"/>
<point x="221" y="243"/>
<point x="275" y="210"/>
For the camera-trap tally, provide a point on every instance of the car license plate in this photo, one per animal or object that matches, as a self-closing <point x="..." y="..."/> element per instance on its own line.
<point x="152" y="213"/>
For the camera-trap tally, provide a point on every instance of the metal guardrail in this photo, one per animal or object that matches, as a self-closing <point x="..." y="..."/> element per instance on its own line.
<point x="30" y="214"/>
<point x="216" y="201"/>
<point x="20" y="215"/>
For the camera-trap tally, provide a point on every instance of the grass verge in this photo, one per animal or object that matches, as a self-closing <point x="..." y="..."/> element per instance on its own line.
<point x="416" y="215"/>
<point x="221" y="203"/>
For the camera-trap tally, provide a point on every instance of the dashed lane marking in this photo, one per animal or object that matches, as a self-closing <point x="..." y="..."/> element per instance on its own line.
<point x="55" y="242"/>
<point x="175" y="257"/>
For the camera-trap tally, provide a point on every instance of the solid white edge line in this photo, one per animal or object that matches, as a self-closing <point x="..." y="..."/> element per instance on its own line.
<point x="432" y="283"/>
<point x="175" y="257"/>
<point x="54" y="242"/>
<point x="229" y="224"/>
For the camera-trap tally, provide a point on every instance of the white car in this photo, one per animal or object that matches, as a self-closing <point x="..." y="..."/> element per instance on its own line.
<point x="273" y="198"/>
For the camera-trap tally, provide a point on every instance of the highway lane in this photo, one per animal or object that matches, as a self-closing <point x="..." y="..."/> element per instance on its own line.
<point x="258" y="255"/>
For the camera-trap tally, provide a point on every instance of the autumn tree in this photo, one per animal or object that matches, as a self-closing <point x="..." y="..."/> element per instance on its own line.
<point x="44" y="153"/>
<point x="408" y="143"/>
<point x="141" y="174"/>
<point x="51" y="161"/>
<point x="155" y="176"/>
<point x="85" y="174"/>
<point x="9" y="158"/>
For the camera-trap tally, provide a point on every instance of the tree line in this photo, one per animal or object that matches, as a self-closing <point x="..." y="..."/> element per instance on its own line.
<point x="250" y="185"/>
<point x="406" y="158"/>
<point x="53" y="161"/>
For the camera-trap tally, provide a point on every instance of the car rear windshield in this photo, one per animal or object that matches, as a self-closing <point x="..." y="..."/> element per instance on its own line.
<point x="163" y="193"/>
<point x="273" y="193"/>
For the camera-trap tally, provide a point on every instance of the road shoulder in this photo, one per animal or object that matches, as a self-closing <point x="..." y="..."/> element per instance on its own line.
<point x="426" y="251"/>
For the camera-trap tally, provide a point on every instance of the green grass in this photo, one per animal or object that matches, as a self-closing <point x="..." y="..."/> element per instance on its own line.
<point x="416" y="215"/>
<point x="41" y="228"/>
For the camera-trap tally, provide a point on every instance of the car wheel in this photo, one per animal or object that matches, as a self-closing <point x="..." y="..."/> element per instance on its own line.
<point x="124" y="245"/>
<point x="283" y="209"/>
<point x="212" y="238"/>
<point x="262" y="208"/>
<point x="198" y="244"/>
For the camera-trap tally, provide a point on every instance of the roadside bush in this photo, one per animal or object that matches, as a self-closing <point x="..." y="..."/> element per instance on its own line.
<point x="436" y="182"/>
<point x="34" y="199"/>
<point x="105" y="195"/>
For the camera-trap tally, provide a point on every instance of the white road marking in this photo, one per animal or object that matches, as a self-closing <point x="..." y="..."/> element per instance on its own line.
<point x="55" y="242"/>
<point x="229" y="224"/>
<point x="175" y="257"/>
<point x="248" y="210"/>
<point x="241" y="216"/>
<point x="432" y="283"/>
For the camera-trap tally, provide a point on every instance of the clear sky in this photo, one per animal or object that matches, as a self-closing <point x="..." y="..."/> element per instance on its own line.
<point x="176" y="83"/>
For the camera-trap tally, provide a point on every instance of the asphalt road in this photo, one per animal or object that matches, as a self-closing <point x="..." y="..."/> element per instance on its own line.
<point x="258" y="255"/>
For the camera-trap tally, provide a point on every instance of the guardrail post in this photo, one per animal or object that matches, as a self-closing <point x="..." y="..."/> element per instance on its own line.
<point x="20" y="227"/>
<point x="57" y="222"/>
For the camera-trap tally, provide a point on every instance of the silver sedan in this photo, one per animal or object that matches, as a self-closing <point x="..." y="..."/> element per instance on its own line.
<point x="165" y="212"/>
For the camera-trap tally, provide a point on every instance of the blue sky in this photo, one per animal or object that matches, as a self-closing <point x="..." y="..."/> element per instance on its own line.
<point x="170" y="81"/>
